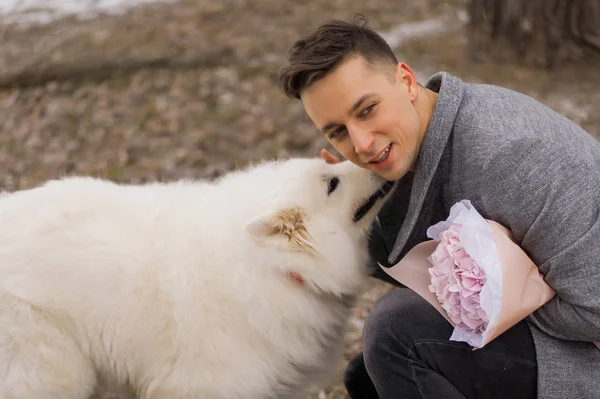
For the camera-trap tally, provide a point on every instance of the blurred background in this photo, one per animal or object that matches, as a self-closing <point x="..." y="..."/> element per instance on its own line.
<point x="141" y="90"/>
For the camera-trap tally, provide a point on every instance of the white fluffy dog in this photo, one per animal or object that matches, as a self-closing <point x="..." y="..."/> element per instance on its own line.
<point x="237" y="288"/>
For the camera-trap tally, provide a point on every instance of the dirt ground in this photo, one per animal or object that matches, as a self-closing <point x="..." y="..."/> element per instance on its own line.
<point x="189" y="89"/>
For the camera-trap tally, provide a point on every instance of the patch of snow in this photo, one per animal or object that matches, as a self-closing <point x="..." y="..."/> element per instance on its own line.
<point x="429" y="27"/>
<point x="45" y="11"/>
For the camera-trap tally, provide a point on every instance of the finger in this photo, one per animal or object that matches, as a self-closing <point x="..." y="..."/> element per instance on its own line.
<point x="329" y="157"/>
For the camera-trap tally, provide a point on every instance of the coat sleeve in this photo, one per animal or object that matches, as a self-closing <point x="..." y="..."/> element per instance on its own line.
<point x="574" y="314"/>
<point x="549" y="197"/>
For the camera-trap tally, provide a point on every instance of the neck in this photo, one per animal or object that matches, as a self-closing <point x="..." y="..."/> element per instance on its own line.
<point x="426" y="103"/>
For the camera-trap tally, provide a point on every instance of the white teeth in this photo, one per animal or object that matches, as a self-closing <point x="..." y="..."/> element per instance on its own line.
<point x="383" y="155"/>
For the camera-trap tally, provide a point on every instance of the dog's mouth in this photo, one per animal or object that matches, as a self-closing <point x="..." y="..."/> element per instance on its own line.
<point x="370" y="202"/>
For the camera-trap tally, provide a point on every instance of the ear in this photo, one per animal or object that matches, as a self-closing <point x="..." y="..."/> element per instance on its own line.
<point x="287" y="223"/>
<point x="405" y="75"/>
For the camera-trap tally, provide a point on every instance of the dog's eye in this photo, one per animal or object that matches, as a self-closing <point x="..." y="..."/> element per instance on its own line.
<point x="332" y="184"/>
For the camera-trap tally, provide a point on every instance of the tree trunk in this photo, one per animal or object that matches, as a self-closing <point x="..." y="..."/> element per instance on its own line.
<point x="540" y="33"/>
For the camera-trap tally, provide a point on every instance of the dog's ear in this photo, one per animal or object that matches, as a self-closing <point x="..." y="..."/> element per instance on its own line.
<point x="288" y="223"/>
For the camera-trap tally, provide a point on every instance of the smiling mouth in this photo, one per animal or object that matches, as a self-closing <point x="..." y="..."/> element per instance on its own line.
<point x="382" y="156"/>
<point x="366" y="207"/>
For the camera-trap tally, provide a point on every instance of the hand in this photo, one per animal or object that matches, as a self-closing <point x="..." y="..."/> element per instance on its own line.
<point x="329" y="157"/>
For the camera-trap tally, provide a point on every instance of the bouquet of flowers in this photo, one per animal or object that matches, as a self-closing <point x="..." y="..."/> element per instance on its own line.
<point x="475" y="275"/>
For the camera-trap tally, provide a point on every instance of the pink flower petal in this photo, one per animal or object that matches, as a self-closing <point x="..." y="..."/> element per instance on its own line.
<point x="454" y="288"/>
<point x="445" y="266"/>
<point x="467" y="263"/>
<point x="482" y="315"/>
<point x="469" y="321"/>
<point x="470" y="305"/>
<point x="458" y="252"/>
<point x="467" y="293"/>
<point x="469" y="282"/>
<point x="455" y="299"/>
<point x="455" y="319"/>
<point x="457" y="281"/>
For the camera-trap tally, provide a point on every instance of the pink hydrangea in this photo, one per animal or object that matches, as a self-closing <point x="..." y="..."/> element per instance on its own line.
<point x="457" y="280"/>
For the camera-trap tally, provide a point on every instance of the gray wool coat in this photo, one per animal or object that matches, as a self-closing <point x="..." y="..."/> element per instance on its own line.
<point x="535" y="172"/>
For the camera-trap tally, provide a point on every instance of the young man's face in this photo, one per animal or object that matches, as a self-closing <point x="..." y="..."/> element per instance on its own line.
<point x="369" y="115"/>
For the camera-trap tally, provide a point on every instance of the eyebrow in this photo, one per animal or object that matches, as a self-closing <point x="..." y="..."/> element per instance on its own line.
<point x="352" y="109"/>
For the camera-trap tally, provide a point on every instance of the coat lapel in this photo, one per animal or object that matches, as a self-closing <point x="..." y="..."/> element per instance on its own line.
<point x="450" y="91"/>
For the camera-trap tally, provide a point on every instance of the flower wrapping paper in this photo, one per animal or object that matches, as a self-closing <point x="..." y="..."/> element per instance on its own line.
<point x="474" y="274"/>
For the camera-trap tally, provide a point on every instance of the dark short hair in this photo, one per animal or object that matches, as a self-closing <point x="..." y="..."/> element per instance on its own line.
<point x="318" y="54"/>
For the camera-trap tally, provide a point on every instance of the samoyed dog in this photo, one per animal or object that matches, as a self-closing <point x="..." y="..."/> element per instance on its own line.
<point x="235" y="288"/>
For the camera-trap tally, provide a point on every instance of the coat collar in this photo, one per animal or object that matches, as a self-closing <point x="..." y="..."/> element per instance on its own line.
<point x="450" y="90"/>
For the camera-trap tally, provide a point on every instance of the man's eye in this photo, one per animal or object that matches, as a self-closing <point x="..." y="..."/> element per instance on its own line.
<point x="336" y="132"/>
<point x="367" y="110"/>
<point x="332" y="184"/>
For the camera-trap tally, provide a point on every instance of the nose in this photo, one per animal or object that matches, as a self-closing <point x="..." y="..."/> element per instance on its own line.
<point x="362" y="139"/>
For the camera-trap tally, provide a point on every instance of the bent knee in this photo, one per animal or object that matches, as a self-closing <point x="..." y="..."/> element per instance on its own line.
<point x="400" y="318"/>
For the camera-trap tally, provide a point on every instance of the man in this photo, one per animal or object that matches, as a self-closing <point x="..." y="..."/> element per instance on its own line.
<point x="518" y="162"/>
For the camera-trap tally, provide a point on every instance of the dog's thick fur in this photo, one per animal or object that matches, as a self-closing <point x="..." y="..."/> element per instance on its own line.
<point x="183" y="289"/>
